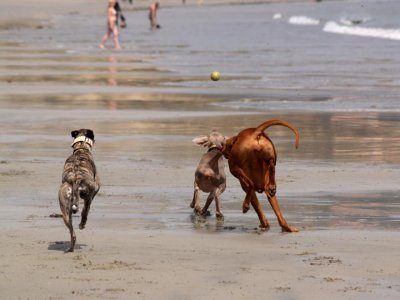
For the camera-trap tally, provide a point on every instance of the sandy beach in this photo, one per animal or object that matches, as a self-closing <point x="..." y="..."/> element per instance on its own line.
<point x="142" y="241"/>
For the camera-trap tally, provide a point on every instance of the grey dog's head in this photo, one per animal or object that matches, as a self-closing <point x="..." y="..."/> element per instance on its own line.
<point x="214" y="139"/>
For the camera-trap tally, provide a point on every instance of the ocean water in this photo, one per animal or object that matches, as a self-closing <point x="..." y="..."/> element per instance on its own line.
<point x="344" y="54"/>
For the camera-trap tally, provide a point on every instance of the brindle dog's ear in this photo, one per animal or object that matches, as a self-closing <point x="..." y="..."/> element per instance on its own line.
<point x="74" y="133"/>
<point x="90" y="134"/>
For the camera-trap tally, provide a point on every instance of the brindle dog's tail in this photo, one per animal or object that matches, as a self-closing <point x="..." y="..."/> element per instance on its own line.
<point x="76" y="196"/>
<point x="260" y="129"/>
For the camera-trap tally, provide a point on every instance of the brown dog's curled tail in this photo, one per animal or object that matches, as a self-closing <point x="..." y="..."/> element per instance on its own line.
<point x="260" y="129"/>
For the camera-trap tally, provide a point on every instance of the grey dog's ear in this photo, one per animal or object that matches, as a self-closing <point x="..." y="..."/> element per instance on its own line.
<point x="74" y="133"/>
<point x="201" y="140"/>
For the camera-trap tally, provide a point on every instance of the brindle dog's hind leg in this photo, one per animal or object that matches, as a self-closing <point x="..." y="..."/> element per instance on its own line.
<point x="88" y="201"/>
<point x="85" y="212"/>
<point x="65" y="199"/>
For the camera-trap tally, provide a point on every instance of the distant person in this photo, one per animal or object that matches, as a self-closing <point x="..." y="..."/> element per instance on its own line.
<point x="112" y="27"/>
<point x="120" y="15"/>
<point x="153" y="15"/>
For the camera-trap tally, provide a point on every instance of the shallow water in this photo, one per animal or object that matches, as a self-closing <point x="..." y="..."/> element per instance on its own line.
<point x="149" y="100"/>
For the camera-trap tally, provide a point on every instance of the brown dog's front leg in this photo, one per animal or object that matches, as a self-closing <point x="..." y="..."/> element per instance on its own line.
<point x="282" y="222"/>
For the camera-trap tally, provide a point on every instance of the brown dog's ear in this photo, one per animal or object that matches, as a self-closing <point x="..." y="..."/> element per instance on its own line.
<point x="90" y="134"/>
<point x="74" y="133"/>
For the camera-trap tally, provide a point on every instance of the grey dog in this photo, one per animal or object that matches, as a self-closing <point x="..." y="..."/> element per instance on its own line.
<point x="79" y="181"/>
<point x="210" y="174"/>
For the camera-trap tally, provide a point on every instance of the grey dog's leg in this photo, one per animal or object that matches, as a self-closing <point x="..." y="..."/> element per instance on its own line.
<point x="219" y="191"/>
<point x="65" y="199"/>
<point x="196" y="199"/>
<point x="210" y="198"/>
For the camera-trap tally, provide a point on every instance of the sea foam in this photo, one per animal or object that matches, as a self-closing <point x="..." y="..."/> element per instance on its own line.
<point x="303" y="20"/>
<point x="383" y="33"/>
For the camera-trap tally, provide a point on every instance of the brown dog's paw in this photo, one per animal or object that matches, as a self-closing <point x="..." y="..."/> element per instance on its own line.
<point x="288" y="228"/>
<point x="245" y="207"/>
<point x="264" y="226"/>
<point x="81" y="226"/>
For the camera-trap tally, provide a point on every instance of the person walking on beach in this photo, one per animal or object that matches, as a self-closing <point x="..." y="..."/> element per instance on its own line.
<point x="153" y="15"/>
<point x="112" y="27"/>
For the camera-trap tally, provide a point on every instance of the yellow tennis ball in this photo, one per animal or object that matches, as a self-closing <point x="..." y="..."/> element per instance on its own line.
<point x="215" y="76"/>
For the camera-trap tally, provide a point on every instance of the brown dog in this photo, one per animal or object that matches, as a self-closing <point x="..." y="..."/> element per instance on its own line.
<point x="252" y="158"/>
<point x="79" y="181"/>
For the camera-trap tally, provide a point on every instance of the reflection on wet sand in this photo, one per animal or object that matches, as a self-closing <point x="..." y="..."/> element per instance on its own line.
<point x="146" y="135"/>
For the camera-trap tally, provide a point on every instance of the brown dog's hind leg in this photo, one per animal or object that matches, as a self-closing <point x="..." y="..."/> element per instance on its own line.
<point x="257" y="207"/>
<point x="282" y="222"/>
<point x="247" y="186"/>
<point x="269" y="180"/>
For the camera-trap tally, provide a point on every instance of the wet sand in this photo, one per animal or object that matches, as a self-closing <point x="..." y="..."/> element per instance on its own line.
<point x="141" y="240"/>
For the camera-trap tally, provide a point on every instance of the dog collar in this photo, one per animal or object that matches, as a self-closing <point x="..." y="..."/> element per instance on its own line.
<point x="213" y="147"/>
<point x="82" y="138"/>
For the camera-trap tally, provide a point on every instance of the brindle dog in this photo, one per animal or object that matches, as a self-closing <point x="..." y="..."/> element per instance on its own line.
<point x="79" y="181"/>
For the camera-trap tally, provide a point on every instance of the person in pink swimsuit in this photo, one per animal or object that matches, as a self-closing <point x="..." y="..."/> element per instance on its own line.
<point x="112" y="28"/>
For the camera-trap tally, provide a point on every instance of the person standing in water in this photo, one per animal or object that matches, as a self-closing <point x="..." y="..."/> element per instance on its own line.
<point x="153" y="15"/>
<point x="112" y="28"/>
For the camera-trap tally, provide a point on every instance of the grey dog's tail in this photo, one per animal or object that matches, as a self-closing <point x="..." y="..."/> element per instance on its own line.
<point x="260" y="129"/>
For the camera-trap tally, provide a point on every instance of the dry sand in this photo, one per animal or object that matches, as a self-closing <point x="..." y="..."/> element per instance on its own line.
<point x="140" y="241"/>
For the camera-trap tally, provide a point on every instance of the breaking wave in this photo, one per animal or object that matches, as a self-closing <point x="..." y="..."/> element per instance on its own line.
<point x="383" y="33"/>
